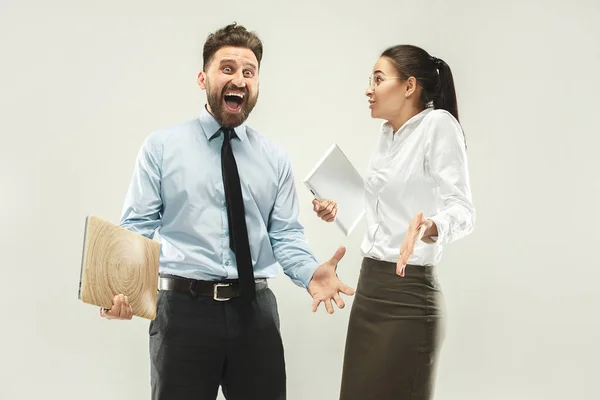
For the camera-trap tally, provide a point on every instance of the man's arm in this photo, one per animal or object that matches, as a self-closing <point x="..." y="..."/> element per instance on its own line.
<point x="288" y="241"/>
<point x="291" y="248"/>
<point x="142" y="210"/>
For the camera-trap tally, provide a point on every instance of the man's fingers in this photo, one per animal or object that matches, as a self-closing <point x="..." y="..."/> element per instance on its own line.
<point x="110" y="313"/>
<point x="118" y="300"/>
<point x="124" y="312"/>
<point x="338" y="300"/>
<point x="339" y="254"/>
<point x="119" y="310"/>
<point x="347" y="290"/>
<point x="315" y="305"/>
<point x="328" y="306"/>
<point x="115" y="310"/>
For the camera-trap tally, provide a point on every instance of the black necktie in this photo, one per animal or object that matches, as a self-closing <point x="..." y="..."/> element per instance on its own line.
<point x="236" y="216"/>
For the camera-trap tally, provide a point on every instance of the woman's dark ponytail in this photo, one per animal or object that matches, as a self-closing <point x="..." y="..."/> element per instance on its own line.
<point x="445" y="96"/>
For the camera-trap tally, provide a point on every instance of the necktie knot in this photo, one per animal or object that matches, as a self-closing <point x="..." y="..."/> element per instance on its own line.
<point x="228" y="133"/>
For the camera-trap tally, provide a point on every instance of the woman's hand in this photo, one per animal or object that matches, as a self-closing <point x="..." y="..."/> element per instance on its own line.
<point x="325" y="209"/>
<point x="418" y="228"/>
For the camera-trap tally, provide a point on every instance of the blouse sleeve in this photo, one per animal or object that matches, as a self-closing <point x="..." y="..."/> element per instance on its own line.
<point x="447" y="164"/>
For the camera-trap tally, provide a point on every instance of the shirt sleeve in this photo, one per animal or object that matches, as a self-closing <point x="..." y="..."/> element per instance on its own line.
<point x="142" y="210"/>
<point x="286" y="234"/>
<point x="447" y="163"/>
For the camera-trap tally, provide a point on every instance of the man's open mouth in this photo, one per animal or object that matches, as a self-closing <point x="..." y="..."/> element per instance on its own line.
<point x="234" y="101"/>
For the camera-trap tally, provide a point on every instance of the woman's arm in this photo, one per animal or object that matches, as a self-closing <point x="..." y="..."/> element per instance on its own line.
<point x="446" y="161"/>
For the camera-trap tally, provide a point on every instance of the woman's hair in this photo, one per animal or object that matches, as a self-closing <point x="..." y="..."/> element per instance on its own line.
<point x="432" y="74"/>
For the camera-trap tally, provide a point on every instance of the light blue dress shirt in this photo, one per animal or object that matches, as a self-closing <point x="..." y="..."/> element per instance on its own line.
<point x="176" y="196"/>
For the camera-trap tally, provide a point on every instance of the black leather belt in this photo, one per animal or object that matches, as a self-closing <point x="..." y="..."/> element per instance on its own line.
<point x="219" y="291"/>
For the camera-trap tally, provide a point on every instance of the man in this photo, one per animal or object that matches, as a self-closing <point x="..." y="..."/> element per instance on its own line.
<point x="222" y="202"/>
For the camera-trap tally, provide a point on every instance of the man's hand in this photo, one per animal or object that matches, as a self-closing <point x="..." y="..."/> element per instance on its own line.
<point x="415" y="232"/>
<point x="325" y="285"/>
<point x="325" y="209"/>
<point x="120" y="309"/>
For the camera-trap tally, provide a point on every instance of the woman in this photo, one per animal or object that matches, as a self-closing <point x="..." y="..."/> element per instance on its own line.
<point x="418" y="199"/>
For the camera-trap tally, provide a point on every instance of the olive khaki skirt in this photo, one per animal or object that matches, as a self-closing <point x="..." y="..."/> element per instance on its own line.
<point x="394" y="334"/>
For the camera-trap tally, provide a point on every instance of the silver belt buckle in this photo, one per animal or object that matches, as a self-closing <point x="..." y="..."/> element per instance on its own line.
<point x="216" y="291"/>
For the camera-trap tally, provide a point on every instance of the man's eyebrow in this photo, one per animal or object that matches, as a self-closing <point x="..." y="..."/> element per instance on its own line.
<point x="231" y="60"/>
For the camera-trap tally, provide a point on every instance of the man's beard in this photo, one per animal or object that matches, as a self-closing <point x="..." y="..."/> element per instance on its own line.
<point x="224" y="117"/>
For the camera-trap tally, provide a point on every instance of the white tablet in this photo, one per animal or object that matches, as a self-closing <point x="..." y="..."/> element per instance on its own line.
<point x="335" y="178"/>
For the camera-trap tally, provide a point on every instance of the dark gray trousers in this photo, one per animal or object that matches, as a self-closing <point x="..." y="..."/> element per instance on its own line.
<point x="198" y="344"/>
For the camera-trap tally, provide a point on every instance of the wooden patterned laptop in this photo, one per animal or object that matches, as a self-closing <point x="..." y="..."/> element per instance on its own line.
<point x="116" y="260"/>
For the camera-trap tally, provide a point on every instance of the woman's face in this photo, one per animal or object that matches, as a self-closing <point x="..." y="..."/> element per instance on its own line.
<point x="387" y="92"/>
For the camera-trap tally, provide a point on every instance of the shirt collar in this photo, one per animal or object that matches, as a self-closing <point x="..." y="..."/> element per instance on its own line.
<point x="415" y="119"/>
<point x="211" y="127"/>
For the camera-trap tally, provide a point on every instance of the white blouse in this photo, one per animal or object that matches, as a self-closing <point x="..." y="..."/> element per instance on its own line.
<point x="421" y="168"/>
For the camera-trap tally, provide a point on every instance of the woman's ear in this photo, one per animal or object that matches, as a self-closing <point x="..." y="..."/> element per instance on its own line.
<point x="411" y="86"/>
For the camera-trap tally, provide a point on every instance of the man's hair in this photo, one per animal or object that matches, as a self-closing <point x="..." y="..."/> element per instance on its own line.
<point x="232" y="35"/>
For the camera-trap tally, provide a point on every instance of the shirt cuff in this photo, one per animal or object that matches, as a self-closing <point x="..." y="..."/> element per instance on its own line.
<point x="303" y="275"/>
<point x="442" y="227"/>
